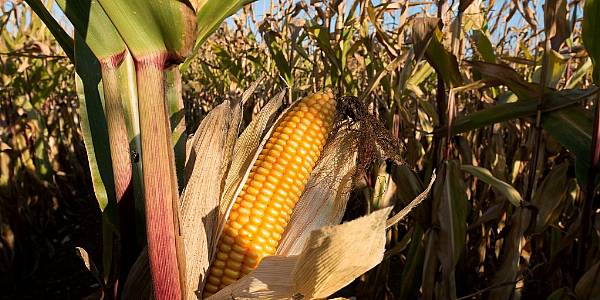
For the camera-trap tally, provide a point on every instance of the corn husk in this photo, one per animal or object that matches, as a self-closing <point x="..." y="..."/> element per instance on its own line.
<point x="200" y="200"/>
<point x="210" y="159"/>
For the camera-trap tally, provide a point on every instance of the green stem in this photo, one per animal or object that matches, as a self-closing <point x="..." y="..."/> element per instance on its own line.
<point x="174" y="97"/>
<point x="160" y="183"/>
<point x="117" y="128"/>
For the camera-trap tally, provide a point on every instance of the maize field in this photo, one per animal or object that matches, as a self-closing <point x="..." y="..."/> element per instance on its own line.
<point x="299" y="149"/>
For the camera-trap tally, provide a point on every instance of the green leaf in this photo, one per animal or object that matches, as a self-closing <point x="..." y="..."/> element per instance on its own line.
<point x="572" y="127"/>
<point x="559" y="294"/>
<point x="411" y="273"/>
<point x="484" y="46"/>
<point x="321" y="35"/>
<point x="549" y="196"/>
<point x="177" y="118"/>
<point x="554" y="102"/>
<point x="556" y="66"/>
<point x="128" y="89"/>
<point x="153" y="27"/>
<point x="95" y="133"/>
<point x="227" y="62"/>
<point x="577" y="77"/>
<point x="92" y="23"/>
<point x="591" y="31"/>
<point x="444" y="62"/>
<point x="209" y="17"/>
<point x="486" y="176"/>
<point x="282" y="64"/>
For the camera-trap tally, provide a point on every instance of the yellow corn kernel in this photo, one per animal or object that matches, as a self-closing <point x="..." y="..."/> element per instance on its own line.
<point x="261" y="212"/>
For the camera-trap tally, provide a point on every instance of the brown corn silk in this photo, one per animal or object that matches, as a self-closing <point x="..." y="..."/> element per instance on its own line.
<point x="263" y="208"/>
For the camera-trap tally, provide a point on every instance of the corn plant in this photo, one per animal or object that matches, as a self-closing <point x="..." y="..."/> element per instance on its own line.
<point x="138" y="72"/>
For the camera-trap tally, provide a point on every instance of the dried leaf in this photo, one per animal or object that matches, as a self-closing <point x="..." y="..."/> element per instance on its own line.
<point x="89" y="264"/>
<point x="463" y="4"/>
<point x="139" y="280"/>
<point x="590" y="32"/>
<point x="555" y="22"/>
<point x="502" y="74"/>
<point x="422" y="32"/>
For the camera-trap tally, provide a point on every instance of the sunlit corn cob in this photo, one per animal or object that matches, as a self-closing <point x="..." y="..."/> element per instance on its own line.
<point x="263" y="208"/>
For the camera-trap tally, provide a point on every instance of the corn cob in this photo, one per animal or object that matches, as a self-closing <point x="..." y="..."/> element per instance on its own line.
<point x="263" y="208"/>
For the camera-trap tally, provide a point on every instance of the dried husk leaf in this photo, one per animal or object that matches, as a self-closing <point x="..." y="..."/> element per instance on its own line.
<point x="332" y="258"/>
<point x="336" y="255"/>
<point x="326" y="194"/>
<point x="200" y="199"/>
<point x="234" y="128"/>
<point x="89" y="263"/>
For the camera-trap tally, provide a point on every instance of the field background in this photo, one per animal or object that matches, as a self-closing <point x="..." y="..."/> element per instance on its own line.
<point x="515" y="217"/>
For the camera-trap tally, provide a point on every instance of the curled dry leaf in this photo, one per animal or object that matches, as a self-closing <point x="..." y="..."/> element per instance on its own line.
<point x="331" y="259"/>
